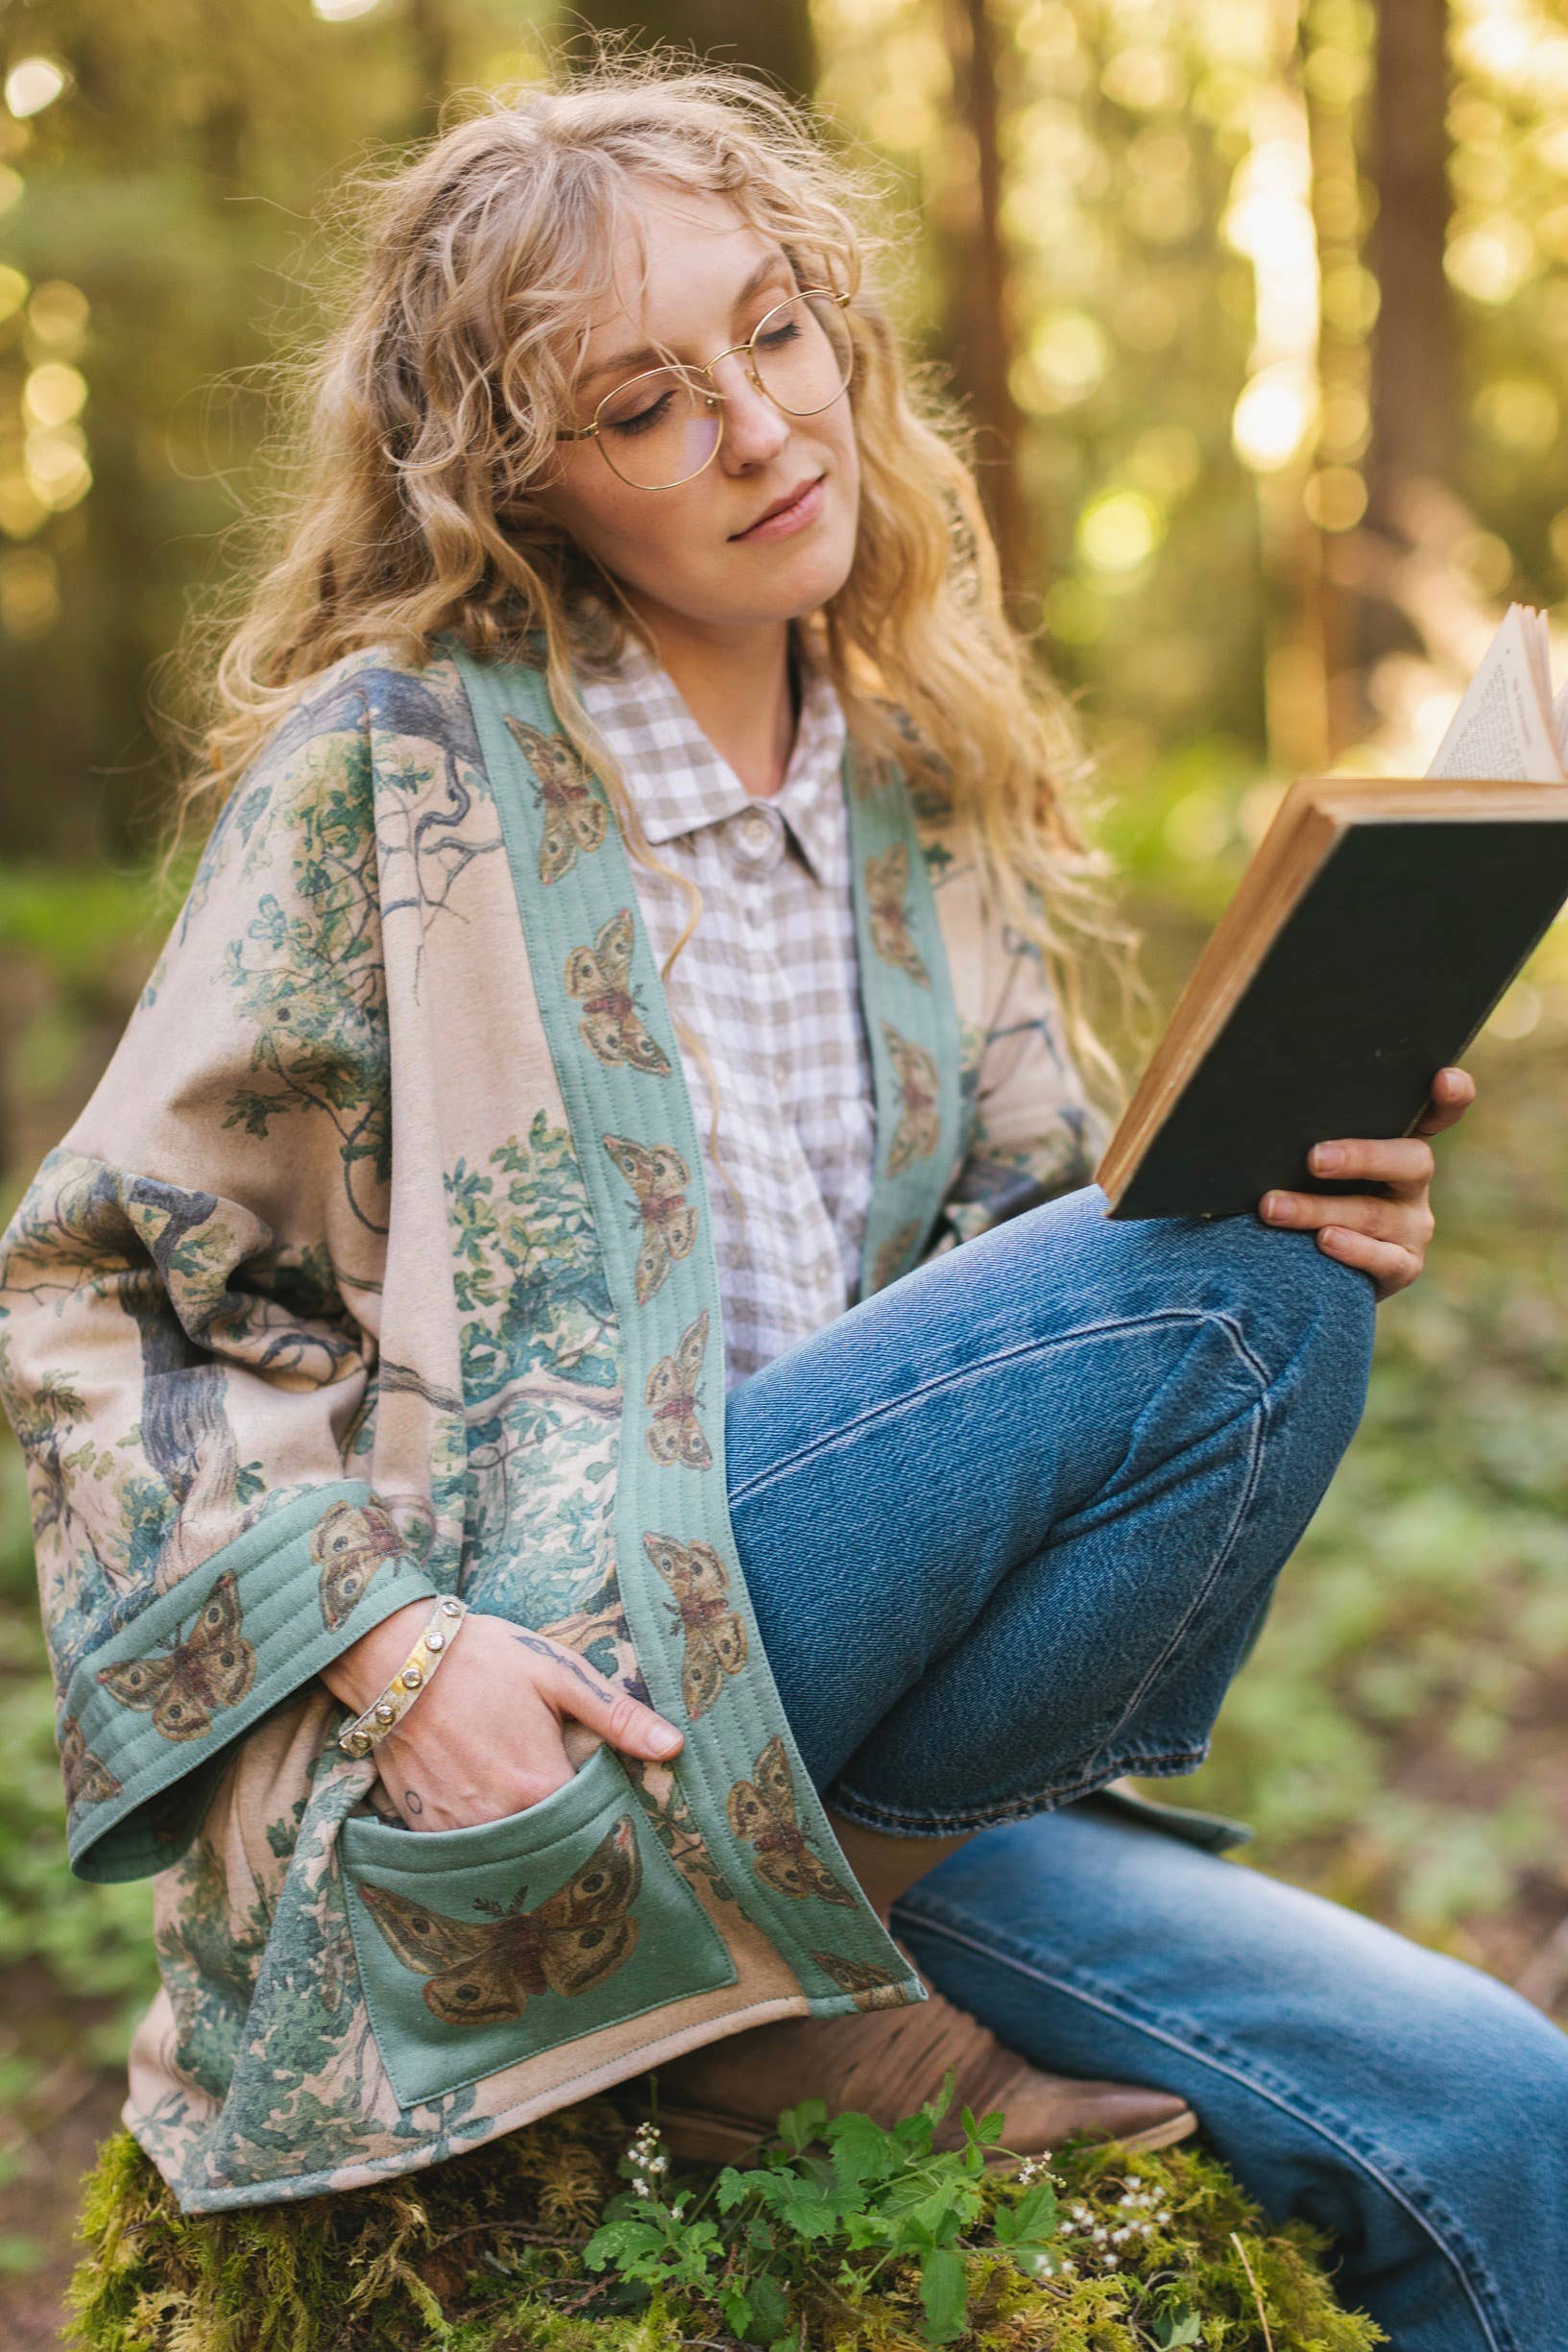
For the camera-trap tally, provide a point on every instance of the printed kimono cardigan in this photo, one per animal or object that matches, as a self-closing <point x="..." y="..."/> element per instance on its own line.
<point x="378" y="1266"/>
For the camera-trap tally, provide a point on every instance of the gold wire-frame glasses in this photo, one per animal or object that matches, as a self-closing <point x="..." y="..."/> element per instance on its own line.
<point x="624" y="413"/>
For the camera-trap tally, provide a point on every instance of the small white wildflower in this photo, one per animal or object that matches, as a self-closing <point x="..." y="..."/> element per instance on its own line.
<point x="641" y="2188"/>
<point x="1120" y="2237"/>
<point x="1109" y="2262"/>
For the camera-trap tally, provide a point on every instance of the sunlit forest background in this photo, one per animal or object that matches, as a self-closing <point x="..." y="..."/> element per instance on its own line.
<point x="1260" y="314"/>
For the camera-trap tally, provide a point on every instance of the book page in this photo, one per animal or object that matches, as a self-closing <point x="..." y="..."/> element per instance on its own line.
<point x="1504" y="726"/>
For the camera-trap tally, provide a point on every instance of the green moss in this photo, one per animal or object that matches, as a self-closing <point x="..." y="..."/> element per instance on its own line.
<point x="482" y="2254"/>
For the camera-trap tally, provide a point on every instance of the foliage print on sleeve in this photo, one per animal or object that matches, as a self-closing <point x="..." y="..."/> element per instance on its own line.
<point x="107" y="1506"/>
<point x="541" y="1366"/>
<point x="311" y="981"/>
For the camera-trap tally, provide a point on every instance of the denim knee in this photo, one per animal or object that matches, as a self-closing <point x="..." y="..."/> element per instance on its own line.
<point x="1287" y="1298"/>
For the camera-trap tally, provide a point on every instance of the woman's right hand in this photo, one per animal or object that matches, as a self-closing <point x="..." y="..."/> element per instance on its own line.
<point x="485" y="1738"/>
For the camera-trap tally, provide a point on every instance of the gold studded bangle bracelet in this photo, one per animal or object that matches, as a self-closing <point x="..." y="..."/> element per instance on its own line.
<point x="361" y="1736"/>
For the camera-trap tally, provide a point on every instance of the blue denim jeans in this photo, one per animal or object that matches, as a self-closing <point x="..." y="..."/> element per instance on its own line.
<point x="1008" y="1528"/>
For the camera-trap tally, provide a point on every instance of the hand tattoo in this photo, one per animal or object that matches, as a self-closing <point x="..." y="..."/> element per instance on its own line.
<point x="562" y="1658"/>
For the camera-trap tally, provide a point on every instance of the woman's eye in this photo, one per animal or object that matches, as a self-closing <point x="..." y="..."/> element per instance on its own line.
<point x="645" y="416"/>
<point x="786" y="333"/>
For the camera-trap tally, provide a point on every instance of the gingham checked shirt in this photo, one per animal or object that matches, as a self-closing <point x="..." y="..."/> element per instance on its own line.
<point x="768" y="980"/>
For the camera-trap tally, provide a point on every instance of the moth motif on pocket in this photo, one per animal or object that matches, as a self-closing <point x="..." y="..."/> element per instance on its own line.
<point x="887" y="879"/>
<point x="763" y="1815"/>
<point x="674" y="1433"/>
<point x="659" y="1176"/>
<point x="874" y="1987"/>
<point x="600" y="978"/>
<point x="575" y="817"/>
<point x="483" y="1971"/>
<point x="88" y="1779"/>
<point x="349" y="1542"/>
<point x="214" y="1667"/>
<point x="715" y="1635"/>
<point x="919" y="1129"/>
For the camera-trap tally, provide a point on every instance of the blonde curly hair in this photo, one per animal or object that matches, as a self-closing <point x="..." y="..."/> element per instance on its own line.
<point x="416" y="426"/>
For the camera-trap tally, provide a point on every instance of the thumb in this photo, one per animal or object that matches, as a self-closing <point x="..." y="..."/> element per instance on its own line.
<point x="579" y="1690"/>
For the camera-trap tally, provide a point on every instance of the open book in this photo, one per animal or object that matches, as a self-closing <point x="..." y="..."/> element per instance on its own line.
<point x="1379" y="922"/>
<point x="1507" y="723"/>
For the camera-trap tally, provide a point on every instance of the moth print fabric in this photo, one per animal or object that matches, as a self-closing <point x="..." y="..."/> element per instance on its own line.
<point x="764" y="1814"/>
<point x="919" y="1127"/>
<point x="483" y="1971"/>
<point x="873" y="1987"/>
<point x="892" y="1255"/>
<point x="674" y="1433"/>
<point x="887" y="880"/>
<point x="600" y="978"/>
<point x="713" y="1635"/>
<point x="575" y="816"/>
<point x="659" y="1176"/>
<point x="349" y="1542"/>
<point x="88" y="1779"/>
<point x="214" y="1666"/>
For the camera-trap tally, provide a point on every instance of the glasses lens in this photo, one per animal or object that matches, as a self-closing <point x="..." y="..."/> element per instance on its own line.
<point x="805" y="353"/>
<point x="658" y="430"/>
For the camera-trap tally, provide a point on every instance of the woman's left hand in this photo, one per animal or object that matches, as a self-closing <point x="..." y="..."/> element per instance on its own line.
<point x="1385" y="1237"/>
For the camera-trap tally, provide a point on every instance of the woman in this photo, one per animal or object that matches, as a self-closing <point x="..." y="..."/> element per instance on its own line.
<point x="431" y="1439"/>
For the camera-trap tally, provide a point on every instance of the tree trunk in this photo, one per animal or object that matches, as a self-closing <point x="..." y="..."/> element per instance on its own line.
<point x="1415" y="343"/>
<point x="977" y="328"/>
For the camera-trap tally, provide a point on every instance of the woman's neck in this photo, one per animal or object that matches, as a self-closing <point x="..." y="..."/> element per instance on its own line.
<point x="740" y="689"/>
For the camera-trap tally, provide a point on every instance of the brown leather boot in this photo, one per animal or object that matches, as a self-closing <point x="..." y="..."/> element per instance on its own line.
<point x="717" y="2104"/>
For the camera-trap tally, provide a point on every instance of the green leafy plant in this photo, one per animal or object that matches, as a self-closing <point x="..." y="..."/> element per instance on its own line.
<point x="874" y="2198"/>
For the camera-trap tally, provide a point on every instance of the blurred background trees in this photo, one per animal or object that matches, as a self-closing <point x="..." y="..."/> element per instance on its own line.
<point x="1258" y="313"/>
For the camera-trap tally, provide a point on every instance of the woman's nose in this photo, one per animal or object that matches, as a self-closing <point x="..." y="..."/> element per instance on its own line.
<point x="755" y="430"/>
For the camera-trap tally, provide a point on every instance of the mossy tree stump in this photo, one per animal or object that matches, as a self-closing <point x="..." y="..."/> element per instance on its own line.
<point x="484" y="2253"/>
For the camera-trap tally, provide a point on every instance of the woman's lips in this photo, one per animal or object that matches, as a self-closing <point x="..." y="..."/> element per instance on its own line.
<point x="806" y="509"/>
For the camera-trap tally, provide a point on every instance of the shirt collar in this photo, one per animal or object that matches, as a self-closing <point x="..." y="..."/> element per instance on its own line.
<point x="691" y="786"/>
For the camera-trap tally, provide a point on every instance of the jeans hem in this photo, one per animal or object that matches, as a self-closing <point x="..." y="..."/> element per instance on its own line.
<point x="1445" y="2231"/>
<point x="927" y="1823"/>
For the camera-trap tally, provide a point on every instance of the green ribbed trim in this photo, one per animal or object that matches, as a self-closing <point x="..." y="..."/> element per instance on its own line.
<point x="912" y="1026"/>
<point x="648" y="1111"/>
<point x="270" y="1636"/>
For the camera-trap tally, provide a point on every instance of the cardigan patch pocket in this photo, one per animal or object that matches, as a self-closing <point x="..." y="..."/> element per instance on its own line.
<point x="480" y="1948"/>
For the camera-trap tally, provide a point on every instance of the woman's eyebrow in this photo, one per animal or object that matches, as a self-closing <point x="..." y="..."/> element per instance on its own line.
<point x="648" y="356"/>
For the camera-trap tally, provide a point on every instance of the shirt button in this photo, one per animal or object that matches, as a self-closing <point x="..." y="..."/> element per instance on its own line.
<point x="758" y="833"/>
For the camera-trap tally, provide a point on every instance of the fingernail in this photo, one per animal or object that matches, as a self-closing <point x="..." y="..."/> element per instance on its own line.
<point x="1325" y="1157"/>
<point x="1275" y="1204"/>
<point x="664" y="1739"/>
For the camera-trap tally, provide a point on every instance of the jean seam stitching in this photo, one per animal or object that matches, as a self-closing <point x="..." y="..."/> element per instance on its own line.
<point x="875" y="1816"/>
<point x="1259" y="1419"/>
<point x="888" y="1407"/>
<point x="1481" y="2292"/>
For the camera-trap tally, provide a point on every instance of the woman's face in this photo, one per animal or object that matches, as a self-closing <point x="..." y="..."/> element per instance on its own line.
<point x="686" y="551"/>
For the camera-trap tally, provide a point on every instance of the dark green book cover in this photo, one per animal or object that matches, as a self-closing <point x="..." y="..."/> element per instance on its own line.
<point x="1394" y="955"/>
